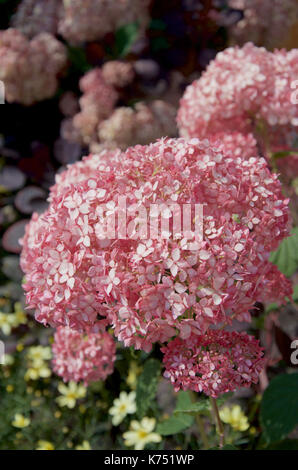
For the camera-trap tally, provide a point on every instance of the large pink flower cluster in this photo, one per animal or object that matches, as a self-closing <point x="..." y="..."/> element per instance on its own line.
<point x="215" y="363"/>
<point x="29" y="69"/>
<point x="151" y="288"/>
<point x="248" y="90"/>
<point x="241" y="88"/>
<point x="79" y="20"/>
<point x="79" y="357"/>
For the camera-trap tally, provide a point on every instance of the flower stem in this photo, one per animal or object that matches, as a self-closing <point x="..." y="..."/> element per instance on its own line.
<point x="218" y="422"/>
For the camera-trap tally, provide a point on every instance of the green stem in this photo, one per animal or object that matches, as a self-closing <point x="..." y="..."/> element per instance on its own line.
<point x="218" y="422"/>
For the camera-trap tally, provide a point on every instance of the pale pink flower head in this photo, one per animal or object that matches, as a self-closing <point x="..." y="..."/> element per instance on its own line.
<point x="214" y="363"/>
<point x="30" y="69"/>
<point x="83" y="357"/>
<point x="246" y="89"/>
<point x="151" y="286"/>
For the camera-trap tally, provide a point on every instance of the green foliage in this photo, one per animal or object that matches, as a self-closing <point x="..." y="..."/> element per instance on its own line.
<point x="279" y="407"/>
<point x="147" y="386"/>
<point x="286" y="256"/>
<point x="78" y="60"/>
<point x="124" y="39"/>
<point x="179" y="421"/>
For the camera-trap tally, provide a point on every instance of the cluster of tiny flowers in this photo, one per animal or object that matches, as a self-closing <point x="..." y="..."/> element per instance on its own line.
<point x="144" y="124"/>
<point x="151" y="288"/>
<point x="265" y="22"/>
<point x="29" y="69"/>
<point x="79" y="20"/>
<point x="96" y="103"/>
<point x="90" y="20"/>
<point x="83" y="357"/>
<point x="215" y="363"/>
<point x="37" y="16"/>
<point x="245" y="89"/>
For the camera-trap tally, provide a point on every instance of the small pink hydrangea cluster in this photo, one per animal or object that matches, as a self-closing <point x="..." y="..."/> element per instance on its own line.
<point x="214" y="363"/>
<point x="143" y="124"/>
<point x="37" y="16"/>
<point x="248" y="90"/>
<point x="29" y="69"/>
<point x="152" y="289"/>
<point x="89" y="20"/>
<point x="265" y="22"/>
<point x="83" y="357"/>
<point x="79" y="20"/>
<point x="100" y="125"/>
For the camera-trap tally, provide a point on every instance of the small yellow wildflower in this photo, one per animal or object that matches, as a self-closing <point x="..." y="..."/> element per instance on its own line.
<point x="20" y="421"/>
<point x="84" y="446"/>
<point x="122" y="406"/>
<point x="140" y="433"/>
<point x="20" y="347"/>
<point x="38" y="354"/>
<point x="70" y="394"/>
<point x="69" y="444"/>
<point x="9" y="388"/>
<point x="57" y="414"/>
<point x="235" y="417"/>
<point x="36" y="372"/>
<point x="8" y="360"/>
<point x="45" y="445"/>
<point x="133" y="372"/>
<point x="6" y="323"/>
<point x="20" y="317"/>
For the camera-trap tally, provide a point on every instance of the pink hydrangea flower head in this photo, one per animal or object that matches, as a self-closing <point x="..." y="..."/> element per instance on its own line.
<point x="215" y="363"/>
<point x="83" y="357"/>
<point x="29" y="69"/>
<point x="151" y="287"/>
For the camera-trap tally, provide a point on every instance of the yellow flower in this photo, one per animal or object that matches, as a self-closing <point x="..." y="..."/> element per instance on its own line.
<point x="19" y="315"/>
<point x="70" y="394"/>
<point x="45" y="445"/>
<point x="9" y="388"/>
<point x="6" y="323"/>
<point x="134" y="371"/>
<point x="8" y="360"/>
<point x="38" y="354"/>
<point x="20" y="421"/>
<point x="84" y="446"/>
<point x="20" y="347"/>
<point x="34" y="373"/>
<point x="122" y="406"/>
<point x="235" y="417"/>
<point x="57" y="414"/>
<point x="140" y="433"/>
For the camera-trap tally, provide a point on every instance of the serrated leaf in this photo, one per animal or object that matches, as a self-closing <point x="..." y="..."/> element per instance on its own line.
<point x="124" y="38"/>
<point x="147" y="386"/>
<point x="286" y="256"/>
<point x="279" y="407"/>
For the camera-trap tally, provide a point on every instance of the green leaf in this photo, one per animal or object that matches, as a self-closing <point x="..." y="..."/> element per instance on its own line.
<point x="279" y="407"/>
<point x="124" y="38"/>
<point x="295" y="293"/>
<point x="146" y="386"/>
<point x="179" y="422"/>
<point x="78" y="59"/>
<point x="287" y="444"/>
<point x="283" y="154"/>
<point x="197" y="407"/>
<point x="286" y="256"/>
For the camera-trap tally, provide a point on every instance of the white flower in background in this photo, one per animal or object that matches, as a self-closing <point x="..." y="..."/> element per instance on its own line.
<point x="122" y="406"/>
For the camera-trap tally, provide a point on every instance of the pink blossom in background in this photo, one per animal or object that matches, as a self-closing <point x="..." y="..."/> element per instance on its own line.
<point x="80" y="357"/>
